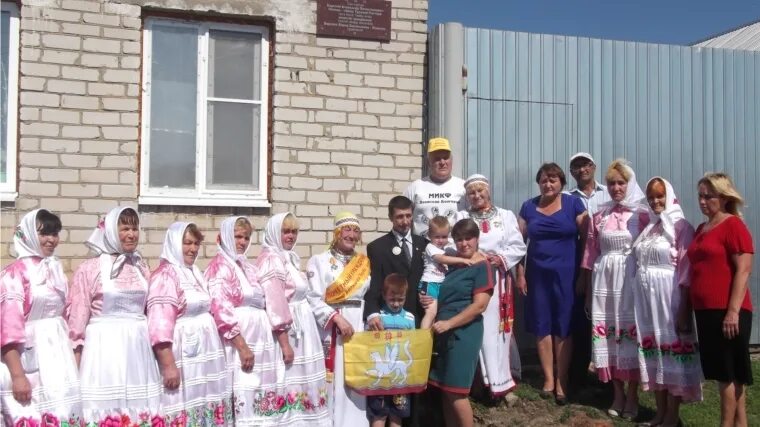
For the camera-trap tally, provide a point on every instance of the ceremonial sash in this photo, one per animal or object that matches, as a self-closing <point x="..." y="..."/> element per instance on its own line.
<point x="506" y="306"/>
<point x="388" y="362"/>
<point x="350" y="280"/>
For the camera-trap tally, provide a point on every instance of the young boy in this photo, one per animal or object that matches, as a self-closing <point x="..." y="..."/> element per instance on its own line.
<point x="437" y="257"/>
<point x="393" y="316"/>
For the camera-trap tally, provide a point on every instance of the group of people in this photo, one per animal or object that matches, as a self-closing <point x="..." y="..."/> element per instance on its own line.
<point x="123" y="346"/>
<point x="615" y="272"/>
<point x="666" y="306"/>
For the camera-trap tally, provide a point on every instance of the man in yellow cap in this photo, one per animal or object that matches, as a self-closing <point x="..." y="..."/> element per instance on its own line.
<point x="439" y="193"/>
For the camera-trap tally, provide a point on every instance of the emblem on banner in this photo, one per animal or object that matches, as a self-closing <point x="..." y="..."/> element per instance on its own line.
<point x="388" y="362"/>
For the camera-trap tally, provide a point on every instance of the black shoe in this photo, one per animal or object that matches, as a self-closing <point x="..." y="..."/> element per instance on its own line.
<point x="561" y="400"/>
<point x="546" y="394"/>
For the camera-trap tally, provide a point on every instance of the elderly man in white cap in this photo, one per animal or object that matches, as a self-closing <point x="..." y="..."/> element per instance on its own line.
<point x="593" y="195"/>
<point x="583" y="170"/>
<point x="439" y="193"/>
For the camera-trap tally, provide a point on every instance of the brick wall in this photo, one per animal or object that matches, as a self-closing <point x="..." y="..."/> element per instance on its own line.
<point x="347" y="120"/>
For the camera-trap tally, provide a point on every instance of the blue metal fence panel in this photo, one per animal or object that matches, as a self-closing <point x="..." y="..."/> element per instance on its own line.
<point x="673" y="111"/>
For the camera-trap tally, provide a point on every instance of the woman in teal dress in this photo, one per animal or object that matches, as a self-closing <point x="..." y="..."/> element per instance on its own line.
<point x="463" y="298"/>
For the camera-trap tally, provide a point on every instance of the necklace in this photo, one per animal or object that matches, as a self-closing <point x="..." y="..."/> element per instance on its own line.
<point x="344" y="259"/>
<point x="484" y="218"/>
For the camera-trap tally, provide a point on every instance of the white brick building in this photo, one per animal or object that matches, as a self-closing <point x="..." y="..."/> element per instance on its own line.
<point x="145" y="102"/>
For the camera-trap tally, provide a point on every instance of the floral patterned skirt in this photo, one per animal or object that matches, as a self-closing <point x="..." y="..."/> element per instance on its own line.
<point x="50" y="368"/>
<point x="121" y="385"/>
<point x="271" y="394"/>
<point x="300" y="399"/>
<point x="204" y="397"/>
<point x="667" y="360"/>
<point x="614" y="338"/>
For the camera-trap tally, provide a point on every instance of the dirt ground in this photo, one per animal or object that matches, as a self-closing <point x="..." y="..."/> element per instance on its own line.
<point x="588" y="405"/>
<point x="539" y="413"/>
<point x="584" y="410"/>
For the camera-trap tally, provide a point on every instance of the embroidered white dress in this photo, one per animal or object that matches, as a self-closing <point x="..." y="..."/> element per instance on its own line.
<point x="609" y="254"/>
<point x="347" y="408"/>
<point x="499" y="356"/>
<point x="179" y="313"/>
<point x="120" y="381"/>
<point x="304" y="388"/>
<point x="667" y="360"/>
<point x="31" y="316"/>
<point x="241" y="307"/>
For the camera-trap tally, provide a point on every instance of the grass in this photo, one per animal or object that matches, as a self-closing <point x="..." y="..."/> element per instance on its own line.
<point x="588" y="406"/>
<point x="707" y="412"/>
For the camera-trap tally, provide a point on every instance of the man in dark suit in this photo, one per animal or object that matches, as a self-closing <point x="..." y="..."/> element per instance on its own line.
<point x="400" y="252"/>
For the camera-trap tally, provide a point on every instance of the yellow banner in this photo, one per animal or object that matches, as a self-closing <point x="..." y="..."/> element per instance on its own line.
<point x="388" y="362"/>
<point x="349" y="281"/>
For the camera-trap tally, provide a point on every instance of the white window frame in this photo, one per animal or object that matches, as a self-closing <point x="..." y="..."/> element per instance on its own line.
<point x="8" y="191"/>
<point x="201" y="195"/>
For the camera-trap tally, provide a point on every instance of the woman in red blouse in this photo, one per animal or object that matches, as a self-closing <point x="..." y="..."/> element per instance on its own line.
<point x="721" y="262"/>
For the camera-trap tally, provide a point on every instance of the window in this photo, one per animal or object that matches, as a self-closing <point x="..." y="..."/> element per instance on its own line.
<point x="204" y="134"/>
<point x="9" y="100"/>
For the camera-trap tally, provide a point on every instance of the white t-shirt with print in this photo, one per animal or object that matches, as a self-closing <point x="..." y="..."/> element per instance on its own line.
<point x="435" y="272"/>
<point x="432" y="199"/>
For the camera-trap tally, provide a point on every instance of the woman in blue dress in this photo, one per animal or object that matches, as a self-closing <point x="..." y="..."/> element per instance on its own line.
<point x="553" y="223"/>
<point x="458" y="326"/>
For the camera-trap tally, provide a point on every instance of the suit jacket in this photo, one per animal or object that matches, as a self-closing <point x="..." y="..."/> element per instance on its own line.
<point x="383" y="262"/>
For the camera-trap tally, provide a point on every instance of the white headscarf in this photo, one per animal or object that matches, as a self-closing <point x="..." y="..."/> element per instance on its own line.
<point x="172" y="251"/>
<point x="227" y="245"/>
<point x="105" y="240"/>
<point x="668" y="217"/>
<point x="26" y="243"/>
<point x="635" y="198"/>
<point x="476" y="178"/>
<point x="273" y="239"/>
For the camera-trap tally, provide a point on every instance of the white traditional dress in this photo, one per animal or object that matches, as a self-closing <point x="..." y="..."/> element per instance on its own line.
<point x="106" y="314"/>
<point x="347" y="407"/>
<point x="179" y="313"/>
<point x="499" y="235"/>
<point x="608" y="254"/>
<point x="667" y="360"/>
<point x="33" y="293"/>
<point x="241" y="307"/>
<point x="302" y="396"/>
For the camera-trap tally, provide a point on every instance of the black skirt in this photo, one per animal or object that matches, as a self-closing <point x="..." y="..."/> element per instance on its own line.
<point x="722" y="359"/>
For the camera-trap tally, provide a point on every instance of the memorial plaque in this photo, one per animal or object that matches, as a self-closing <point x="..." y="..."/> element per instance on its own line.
<point x="354" y="19"/>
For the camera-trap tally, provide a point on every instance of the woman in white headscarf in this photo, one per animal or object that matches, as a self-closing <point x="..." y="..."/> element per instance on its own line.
<point x="668" y="353"/>
<point x="184" y="336"/>
<point x="109" y="330"/>
<point x="609" y="260"/>
<point x="302" y="399"/>
<point x="39" y="382"/>
<point x="249" y="320"/>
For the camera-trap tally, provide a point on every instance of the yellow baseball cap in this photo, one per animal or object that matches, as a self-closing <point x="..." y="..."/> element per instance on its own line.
<point x="437" y="144"/>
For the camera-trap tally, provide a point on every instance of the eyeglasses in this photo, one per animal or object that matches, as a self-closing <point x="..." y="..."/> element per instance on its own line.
<point x="705" y="196"/>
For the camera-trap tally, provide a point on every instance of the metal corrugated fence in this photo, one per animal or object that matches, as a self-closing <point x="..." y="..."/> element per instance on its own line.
<point x="673" y="111"/>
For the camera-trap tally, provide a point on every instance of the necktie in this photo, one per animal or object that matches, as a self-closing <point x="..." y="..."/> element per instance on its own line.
<point x="405" y="248"/>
